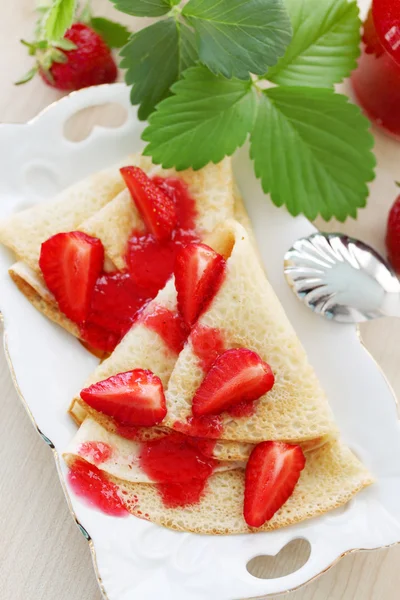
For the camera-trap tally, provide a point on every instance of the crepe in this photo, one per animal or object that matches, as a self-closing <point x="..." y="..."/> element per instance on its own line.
<point x="144" y="348"/>
<point x="332" y="476"/>
<point x="25" y="231"/>
<point x="101" y="206"/>
<point x="248" y="314"/>
<point x="121" y="456"/>
<point x="296" y="410"/>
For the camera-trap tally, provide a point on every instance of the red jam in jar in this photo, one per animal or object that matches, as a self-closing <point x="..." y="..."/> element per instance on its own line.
<point x="376" y="81"/>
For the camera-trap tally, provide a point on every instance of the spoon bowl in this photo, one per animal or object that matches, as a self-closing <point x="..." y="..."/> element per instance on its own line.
<point x="341" y="278"/>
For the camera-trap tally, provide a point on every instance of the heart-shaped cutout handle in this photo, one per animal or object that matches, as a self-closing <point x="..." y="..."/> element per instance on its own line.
<point x="289" y="559"/>
<point x="80" y="124"/>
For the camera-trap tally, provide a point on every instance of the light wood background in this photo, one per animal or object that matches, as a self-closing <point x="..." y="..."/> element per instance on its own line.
<point x="42" y="553"/>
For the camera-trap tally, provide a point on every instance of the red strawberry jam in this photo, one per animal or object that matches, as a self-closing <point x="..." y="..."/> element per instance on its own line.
<point x="169" y="326"/>
<point x="116" y="301"/>
<point x="98" y="452"/>
<point x="208" y="344"/>
<point x="177" y="190"/>
<point x="376" y="81"/>
<point x="119" y="297"/>
<point x="92" y="485"/>
<point x="151" y="263"/>
<point x="243" y="409"/>
<point x="175" y="495"/>
<point x="202" y="427"/>
<point x="179" y="467"/>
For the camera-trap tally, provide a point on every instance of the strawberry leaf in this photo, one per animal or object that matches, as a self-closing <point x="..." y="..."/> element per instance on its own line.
<point x="238" y="37"/>
<point x="144" y="8"/>
<point x="207" y="118"/>
<point x="28" y="76"/>
<point x="325" y="44"/>
<point x="312" y="150"/>
<point x="59" y="18"/>
<point x="64" y="44"/>
<point x="155" y="58"/>
<point x="114" y="34"/>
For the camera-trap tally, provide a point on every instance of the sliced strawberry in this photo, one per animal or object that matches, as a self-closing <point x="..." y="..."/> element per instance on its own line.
<point x="198" y="275"/>
<point x="272" y="473"/>
<point x="133" y="398"/>
<point x="157" y="208"/>
<point x="71" y="263"/>
<point x="236" y="376"/>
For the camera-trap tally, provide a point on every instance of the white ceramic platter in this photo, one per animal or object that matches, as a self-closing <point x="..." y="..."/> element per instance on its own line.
<point x="137" y="559"/>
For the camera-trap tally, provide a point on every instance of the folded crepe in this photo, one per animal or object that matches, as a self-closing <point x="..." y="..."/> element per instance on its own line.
<point x="120" y="457"/>
<point x="247" y="314"/>
<point x="102" y="207"/>
<point x="331" y="477"/>
<point x="144" y="348"/>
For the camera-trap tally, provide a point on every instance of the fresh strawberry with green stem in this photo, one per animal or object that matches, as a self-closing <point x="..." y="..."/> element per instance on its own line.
<point x="155" y="206"/>
<point x="71" y="264"/>
<point x="393" y="234"/>
<point x="80" y="59"/>
<point x="272" y="473"/>
<point x="198" y="274"/>
<point x="236" y="376"/>
<point x="134" y="398"/>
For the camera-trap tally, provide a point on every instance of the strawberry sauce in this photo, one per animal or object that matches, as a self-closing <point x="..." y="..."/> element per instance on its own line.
<point x="243" y="409"/>
<point x="207" y="343"/>
<point x="202" y="427"/>
<point x="169" y="326"/>
<point x="98" y="452"/>
<point x="119" y="297"/>
<point x="175" y="495"/>
<point x="179" y="467"/>
<point x="92" y="485"/>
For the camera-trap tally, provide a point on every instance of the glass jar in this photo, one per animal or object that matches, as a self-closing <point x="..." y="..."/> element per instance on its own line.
<point x="376" y="81"/>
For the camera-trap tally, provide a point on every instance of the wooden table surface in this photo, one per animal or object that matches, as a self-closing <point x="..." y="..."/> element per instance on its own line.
<point x="42" y="553"/>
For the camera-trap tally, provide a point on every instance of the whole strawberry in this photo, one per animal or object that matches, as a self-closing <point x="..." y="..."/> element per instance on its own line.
<point x="80" y="59"/>
<point x="393" y="235"/>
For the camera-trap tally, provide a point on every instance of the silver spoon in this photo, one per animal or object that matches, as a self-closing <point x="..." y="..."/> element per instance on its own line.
<point x="342" y="278"/>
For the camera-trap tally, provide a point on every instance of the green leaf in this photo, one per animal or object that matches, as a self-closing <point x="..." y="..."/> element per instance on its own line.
<point x="59" y="18"/>
<point x="85" y="15"/>
<point x="312" y="150"/>
<point x="144" y="8"/>
<point x="42" y="12"/>
<point x="28" y="76"/>
<point x="155" y="58"/>
<point x="207" y="118"/>
<point x="238" y="37"/>
<point x="64" y="44"/>
<point x="325" y="44"/>
<point x="114" y="34"/>
<point x="58" y="56"/>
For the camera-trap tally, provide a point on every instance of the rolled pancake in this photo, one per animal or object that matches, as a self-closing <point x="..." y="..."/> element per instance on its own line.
<point x="331" y="477"/>
<point x="24" y="232"/>
<point x="247" y="314"/>
<point x="102" y="207"/>
<point x="223" y="450"/>
<point x="114" y="454"/>
<point x="308" y="410"/>
<point x="144" y="348"/>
